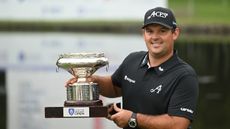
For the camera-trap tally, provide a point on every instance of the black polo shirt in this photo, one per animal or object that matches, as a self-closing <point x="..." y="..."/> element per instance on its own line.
<point x="170" y="88"/>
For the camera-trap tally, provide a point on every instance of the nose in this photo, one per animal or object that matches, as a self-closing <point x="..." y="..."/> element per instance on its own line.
<point x="155" y="36"/>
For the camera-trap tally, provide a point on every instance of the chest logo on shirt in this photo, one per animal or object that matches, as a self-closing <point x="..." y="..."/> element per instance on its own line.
<point x="129" y="79"/>
<point x="156" y="90"/>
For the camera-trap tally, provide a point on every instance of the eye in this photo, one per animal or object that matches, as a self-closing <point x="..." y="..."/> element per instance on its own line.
<point x="148" y="31"/>
<point x="163" y="30"/>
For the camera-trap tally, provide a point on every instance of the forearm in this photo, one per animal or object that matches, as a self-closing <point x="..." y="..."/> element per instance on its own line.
<point x="161" y="122"/>
<point x="106" y="86"/>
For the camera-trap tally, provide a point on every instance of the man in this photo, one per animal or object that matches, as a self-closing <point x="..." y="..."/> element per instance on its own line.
<point x="158" y="89"/>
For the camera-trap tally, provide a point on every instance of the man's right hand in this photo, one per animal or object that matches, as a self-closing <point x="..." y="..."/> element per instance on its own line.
<point x="71" y="81"/>
<point x="74" y="79"/>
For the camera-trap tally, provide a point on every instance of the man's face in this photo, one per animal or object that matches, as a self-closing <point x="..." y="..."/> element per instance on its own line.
<point x="159" y="39"/>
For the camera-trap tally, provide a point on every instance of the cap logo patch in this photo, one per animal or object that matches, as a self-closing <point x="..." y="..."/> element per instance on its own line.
<point x="158" y="14"/>
<point x="174" y="23"/>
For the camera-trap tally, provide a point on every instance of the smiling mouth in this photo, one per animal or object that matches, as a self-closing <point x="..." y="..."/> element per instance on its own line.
<point x="154" y="44"/>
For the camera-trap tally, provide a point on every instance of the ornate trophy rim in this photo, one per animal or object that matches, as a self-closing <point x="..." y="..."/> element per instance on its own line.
<point x="73" y="60"/>
<point x="89" y="62"/>
<point x="82" y="54"/>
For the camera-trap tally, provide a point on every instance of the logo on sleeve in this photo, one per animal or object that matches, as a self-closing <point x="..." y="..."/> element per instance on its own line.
<point x="186" y="110"/>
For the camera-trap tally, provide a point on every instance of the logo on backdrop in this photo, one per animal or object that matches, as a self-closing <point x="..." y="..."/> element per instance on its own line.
<point x="71" y="111"/>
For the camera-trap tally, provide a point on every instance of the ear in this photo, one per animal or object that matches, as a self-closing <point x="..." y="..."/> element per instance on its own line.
<point x="176" y="33"/>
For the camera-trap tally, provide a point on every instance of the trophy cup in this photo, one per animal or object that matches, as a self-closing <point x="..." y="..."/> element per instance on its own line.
<point x="82" y="97"/>
<point x="82" y="65"/>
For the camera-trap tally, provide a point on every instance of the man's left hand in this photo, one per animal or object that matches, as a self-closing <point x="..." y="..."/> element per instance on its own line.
<point x="122" y="116"/>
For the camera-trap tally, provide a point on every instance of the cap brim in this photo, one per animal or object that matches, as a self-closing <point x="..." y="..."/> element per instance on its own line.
<point x="157" y="23"/>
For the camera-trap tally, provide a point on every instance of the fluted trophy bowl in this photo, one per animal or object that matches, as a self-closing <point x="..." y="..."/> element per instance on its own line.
<point x="82" y="66"/>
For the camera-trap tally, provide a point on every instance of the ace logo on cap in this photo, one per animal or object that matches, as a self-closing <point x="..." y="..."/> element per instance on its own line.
<point x="158" y="14"/>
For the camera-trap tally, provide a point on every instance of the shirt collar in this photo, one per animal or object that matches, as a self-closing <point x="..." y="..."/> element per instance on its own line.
<point x="145" y="60"/>
<point x="165" y="66"/>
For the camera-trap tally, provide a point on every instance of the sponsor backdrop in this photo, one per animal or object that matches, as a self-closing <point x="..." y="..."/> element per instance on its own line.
<point x="76" y="9"/>
<point x="29" y="60"/>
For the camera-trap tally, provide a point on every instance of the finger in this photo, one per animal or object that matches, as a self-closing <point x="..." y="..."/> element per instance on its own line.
<point x="91" y="79"/>
<point x="110" y="108"/>
<point x="109" y="117"/>
<point x="116" y="108"/>
<point x="71" y="81"/>
<point x="68" y="82"/>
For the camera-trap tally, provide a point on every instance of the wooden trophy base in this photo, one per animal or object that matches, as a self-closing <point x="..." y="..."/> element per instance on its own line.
<point x="74" y="109"/>
<point x="83" y="103"/>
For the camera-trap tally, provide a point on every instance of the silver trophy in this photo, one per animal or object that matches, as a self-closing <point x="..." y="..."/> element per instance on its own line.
<point x="82" y="65"/>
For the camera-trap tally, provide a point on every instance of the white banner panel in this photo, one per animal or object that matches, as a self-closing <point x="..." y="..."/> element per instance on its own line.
<point x="29" y="60"/>
<point x="76" y="9"/>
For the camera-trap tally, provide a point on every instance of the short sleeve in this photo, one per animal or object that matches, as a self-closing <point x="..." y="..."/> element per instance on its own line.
<point x="184" y="99"/>
<point x="117" y="76"/>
